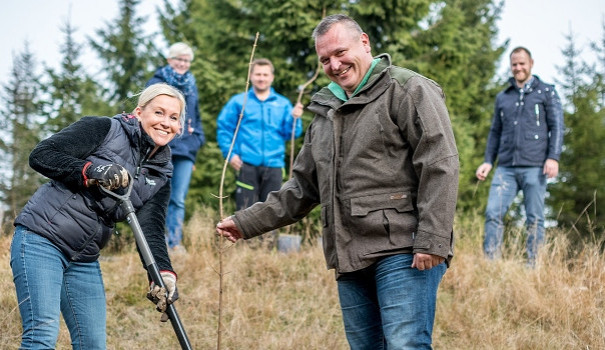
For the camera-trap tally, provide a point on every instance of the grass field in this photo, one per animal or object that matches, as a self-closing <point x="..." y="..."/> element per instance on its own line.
<point x="274" y="300"/>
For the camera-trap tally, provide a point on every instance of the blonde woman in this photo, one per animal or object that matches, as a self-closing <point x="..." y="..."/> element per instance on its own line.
<point x="64" y="225"/>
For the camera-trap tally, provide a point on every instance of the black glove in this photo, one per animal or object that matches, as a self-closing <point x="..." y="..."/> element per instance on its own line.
<point x="158" y="295"/>
<point x="111" y="176"/>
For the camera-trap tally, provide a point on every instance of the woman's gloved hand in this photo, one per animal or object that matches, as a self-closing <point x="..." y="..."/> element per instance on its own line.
<point x="163" y="297"/>
<point x="111" y="176"/>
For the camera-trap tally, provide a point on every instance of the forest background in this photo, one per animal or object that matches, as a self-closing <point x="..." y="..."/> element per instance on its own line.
<point x="276" y="302"/>
<point x="452" y="42"/>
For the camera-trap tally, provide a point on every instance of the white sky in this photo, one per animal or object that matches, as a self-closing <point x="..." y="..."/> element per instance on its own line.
<point x="539" y="25"/>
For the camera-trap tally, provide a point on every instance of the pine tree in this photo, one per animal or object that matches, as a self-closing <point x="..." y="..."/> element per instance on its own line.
<point x="127" y="55"/>
<point x="21" y="132"/>
<point x="70" y="93"/>
<point x="576" y="198"/>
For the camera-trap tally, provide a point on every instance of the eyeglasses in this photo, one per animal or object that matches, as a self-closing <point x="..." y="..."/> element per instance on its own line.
<point x="182" y="60"/>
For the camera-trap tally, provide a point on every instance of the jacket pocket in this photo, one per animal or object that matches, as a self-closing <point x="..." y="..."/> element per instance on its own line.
<point x="535" y="144"/>
<point x="362" y="206"/>
<point x="383" y="221"/>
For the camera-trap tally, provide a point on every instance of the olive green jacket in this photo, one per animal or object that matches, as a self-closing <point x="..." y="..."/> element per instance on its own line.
<point x="383" y="166"/>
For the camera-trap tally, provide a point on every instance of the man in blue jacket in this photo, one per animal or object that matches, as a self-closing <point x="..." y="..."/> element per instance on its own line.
<point x="526" y="137"/>
<point x="258" y="154"/>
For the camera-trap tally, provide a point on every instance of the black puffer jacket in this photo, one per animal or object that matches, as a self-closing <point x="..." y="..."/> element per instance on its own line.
<point x="80" y="220"/>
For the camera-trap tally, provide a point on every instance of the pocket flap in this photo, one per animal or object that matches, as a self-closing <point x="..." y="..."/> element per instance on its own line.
<point x="399" y="201"/>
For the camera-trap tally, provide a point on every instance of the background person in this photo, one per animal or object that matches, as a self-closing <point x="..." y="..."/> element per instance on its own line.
<point x="381" y="160"/>
<point x="258" y="155"/>
<point x="185" y="147"/>
<point x="64" y="225"/>
<point x="526" y="137"/>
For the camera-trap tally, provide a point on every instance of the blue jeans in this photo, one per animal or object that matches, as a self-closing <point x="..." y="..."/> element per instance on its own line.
<point x="181" y="176"/>
<point x="506" y="184"/>
<point x="48" y="285"/>
<point x="389" y="305"/>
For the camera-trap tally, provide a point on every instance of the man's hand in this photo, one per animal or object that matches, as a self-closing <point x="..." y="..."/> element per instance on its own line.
<point x="297" y="111"/>
<point x="111" y="176"/>
<point x="158" y="295"/>
<point x="483" y="170"/>
<point x="551" y="168"/>
<point x="227" y="229"/>
<point x="426" y="261"/>
<point x="236" y="162"/>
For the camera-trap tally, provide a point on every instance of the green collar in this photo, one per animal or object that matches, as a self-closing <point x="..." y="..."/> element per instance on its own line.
<point x="341" y="94"/>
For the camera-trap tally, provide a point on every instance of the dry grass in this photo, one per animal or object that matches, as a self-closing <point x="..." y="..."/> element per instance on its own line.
<point x="289" y="301"/>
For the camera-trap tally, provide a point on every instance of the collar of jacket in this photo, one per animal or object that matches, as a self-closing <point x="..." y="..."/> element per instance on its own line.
<point x="340" y="92"/>
<point x="512" y="84"/>
<point x="377" y="83"/>
<point x="272" y="95"/>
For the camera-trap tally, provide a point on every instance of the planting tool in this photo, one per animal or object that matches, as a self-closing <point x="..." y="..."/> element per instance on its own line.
<point x="152" y="266"/>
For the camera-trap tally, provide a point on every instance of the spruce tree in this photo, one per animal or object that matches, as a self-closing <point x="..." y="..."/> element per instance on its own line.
<point x="70" y="92"/>
<point x="20" y="134"/>
<point x="126" y="54"/>
<point x="577" y="197"/>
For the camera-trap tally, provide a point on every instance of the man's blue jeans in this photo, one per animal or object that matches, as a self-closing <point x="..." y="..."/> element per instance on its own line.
<point x="181" y="176"/>
<point x="389" y="305"/>
<point x="48" y="285"/>
<point x="506" y="184"/>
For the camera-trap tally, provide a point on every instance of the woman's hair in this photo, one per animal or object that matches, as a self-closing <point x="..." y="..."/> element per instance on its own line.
<point x="178" y="49"/>
<point x="153" y="91"/>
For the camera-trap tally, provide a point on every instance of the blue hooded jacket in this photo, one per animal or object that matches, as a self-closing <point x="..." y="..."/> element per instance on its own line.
<point x="265" y="127"/>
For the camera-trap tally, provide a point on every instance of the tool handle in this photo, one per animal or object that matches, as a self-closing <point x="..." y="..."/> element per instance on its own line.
<point x="150" y="264"/>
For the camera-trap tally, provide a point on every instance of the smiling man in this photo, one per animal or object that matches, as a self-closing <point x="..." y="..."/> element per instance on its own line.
<point x="526" y="136"/>
<point x="380" y="159"/>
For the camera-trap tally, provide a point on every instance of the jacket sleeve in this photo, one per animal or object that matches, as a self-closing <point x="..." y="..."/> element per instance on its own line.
<point x="427" y="128"/>
<point x="61" y="157"/>
<point x="287" y="124"/>
<point x="198" y="129"/>
<point x="554" y="120"/>
<point x="295" y="199"/>
<point x="225" y="126"/>
<point x="493" y="138"/>
<point x="152" y="218"/>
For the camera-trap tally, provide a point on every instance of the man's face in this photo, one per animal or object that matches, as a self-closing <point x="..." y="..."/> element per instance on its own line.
<point x="520" y="66"/>
<point x="261" y="78"/>
<point x="345" y="55"/>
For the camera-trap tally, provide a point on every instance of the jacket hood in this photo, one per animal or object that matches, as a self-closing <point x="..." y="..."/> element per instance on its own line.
<point x="512" y="83"/>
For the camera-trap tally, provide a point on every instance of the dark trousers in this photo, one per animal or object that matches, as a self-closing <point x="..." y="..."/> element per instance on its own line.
<point x="254" y="184"/>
